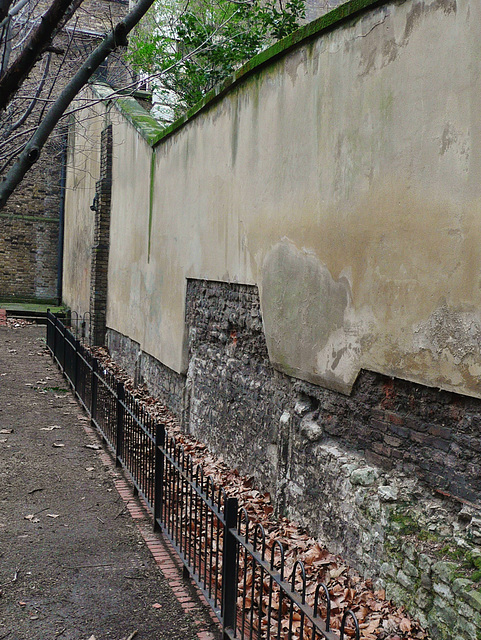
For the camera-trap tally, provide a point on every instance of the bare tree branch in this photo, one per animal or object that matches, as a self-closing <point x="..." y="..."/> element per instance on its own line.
<point x="117" y="37"/>
<point x="34" y="100"/>
<point x="41" y="38"/>
<point x="4" y="7"/>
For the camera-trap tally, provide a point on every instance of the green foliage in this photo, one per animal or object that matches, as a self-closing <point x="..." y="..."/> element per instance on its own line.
<point x="476" y="576"/>
<point x="193" y="47"/>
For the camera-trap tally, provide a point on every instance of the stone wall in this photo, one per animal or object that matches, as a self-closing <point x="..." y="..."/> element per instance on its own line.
<point x="235" y="398"/>
<point x="234" y="390"/>
<point x="310" y="446"/>
<point x="163" y="383"/>
<point x="369" y="474"/>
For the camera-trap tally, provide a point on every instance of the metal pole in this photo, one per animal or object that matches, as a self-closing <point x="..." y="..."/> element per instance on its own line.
<point x="229" y="565"/>
<point x="119" y="449"/>
<point x="49" y="332"/>
<point x="63" y="330"/>
<point x="75" y="370"/>
<point x="55" y="337"/>
<point x="159" y="474"/>
<point x="93" y="387"/>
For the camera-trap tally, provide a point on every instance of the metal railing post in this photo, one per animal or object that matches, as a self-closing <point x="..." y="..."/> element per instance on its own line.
<point x="55" y="337"/>
<point x="158" y="474"/>
<point x="75" y="369"/>
<point x="119" y="448"/>
<point x="64" y="330"/>
<point x="229" y="568"/>
<point x="94" y="387"/>
<point x="49" y="333"/>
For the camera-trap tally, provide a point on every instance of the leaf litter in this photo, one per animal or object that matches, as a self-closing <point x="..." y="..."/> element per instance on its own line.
<point x="379" y="619"/>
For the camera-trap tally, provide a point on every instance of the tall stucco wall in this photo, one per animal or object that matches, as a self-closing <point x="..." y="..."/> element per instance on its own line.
<point x="339" y="179"/>
<point x="83" y="171"/>
<point x="342" y="178"/>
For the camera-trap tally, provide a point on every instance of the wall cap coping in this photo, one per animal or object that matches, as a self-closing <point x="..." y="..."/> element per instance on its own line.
<point x="154" y="132"/>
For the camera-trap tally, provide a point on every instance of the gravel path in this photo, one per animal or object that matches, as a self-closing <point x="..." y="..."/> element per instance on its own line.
<point x="72" y="562"/>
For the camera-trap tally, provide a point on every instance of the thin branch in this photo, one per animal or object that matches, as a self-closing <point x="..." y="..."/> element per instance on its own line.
<point x="117" y="37"/>
<point x="32" y="104"/>
<point x="13" y="11"/>
<point x="60" y="67"/>
<point x="40" y="38"/>
<point x="12" y="156"/>
<point x="4" y="9"/>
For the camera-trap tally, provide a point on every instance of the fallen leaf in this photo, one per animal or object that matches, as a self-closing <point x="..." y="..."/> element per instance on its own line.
<point x="156" y="606"/>
<point x="89" y="468"/>
<point x="405" y="625"/>
<point x="22" y="604"/>
<point x="58" y="445"/>
<point x="335" y="573"/>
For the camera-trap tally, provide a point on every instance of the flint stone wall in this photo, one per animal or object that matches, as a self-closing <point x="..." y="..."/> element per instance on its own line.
<point x="373" y="474"/>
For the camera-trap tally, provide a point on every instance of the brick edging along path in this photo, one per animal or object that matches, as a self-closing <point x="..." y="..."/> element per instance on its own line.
<point x="187" y="594"/>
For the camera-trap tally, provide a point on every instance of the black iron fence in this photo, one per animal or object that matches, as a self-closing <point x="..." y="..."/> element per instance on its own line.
<point x="240" y="571"/>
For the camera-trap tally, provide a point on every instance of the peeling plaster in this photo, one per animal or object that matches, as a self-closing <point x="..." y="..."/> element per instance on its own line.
<point x="312" y="329"/>
<point x="455" y="333"/>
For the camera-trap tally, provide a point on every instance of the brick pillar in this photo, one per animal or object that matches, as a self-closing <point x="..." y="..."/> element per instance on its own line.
<point x="100" y="249"/>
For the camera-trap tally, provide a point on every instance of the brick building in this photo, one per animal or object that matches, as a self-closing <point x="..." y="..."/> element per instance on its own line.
<point x="32" y="221"/>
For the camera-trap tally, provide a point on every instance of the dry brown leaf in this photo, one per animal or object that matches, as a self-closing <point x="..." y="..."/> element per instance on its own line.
<point x="405" y="625"/>
<point x="335" y="573"/>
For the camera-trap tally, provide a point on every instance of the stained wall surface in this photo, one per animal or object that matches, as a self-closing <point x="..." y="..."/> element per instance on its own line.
<point x="341" y="177"/>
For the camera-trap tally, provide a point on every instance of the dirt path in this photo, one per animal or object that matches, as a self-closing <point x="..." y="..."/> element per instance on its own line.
<point x="72" y="562"/>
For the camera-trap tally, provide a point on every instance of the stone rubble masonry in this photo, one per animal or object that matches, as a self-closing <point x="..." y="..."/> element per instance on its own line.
<point x="238" y="400"/>
<point x="165" y="384"/>
<point x="368" y="474"/>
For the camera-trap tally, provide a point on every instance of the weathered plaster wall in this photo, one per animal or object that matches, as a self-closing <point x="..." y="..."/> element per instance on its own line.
<point x="342" y="178"/>
<point x="83" y="171"/>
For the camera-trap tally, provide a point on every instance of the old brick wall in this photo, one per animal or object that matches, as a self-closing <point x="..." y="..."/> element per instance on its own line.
<point x="237" y="400"/>
<point x="28" y="257"/>
<point x="30" y="230"/>
<point x="100" y="249"/>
